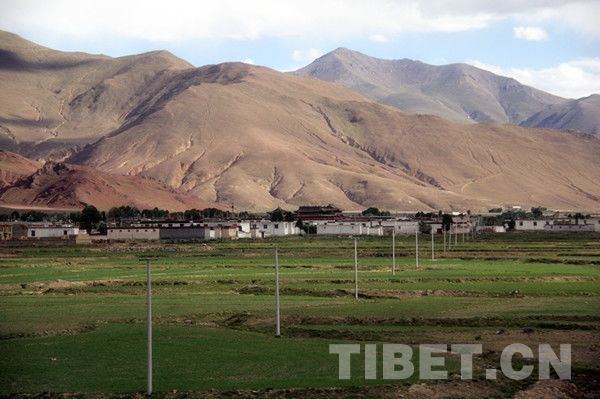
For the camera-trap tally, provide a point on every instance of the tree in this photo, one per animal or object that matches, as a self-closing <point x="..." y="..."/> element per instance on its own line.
<point x="90" y="216"/>
<point x="447" y="221"/>
<point x="424" y="228"/>
<point x="289" y="216"/>
<point x="277" y="215"/>
<point x="154" y="213"/>
<point x="307" y="228"/>
<point x="310" y="229"/>
<point x="578" y="216"/>
<point x="33" y="216"/>
<point x="192" y="214"/>
<point x="372" y="211"/>
<point x="213" y="213"/>
<point x="123" y="212"/>
<point x="102" y="229"/>
<point x="511" y="224"/>
<point x="423" y="215"/>
<point x="538" y="212"/>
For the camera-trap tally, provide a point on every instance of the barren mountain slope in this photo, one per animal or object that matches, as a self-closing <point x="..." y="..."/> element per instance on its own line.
<point x="259" y="138"/>
<point x="62" y="185"/>
<point x="51" y="101"/>
<point x="457" y="92"/>
<point x="14" y="167"/>
<point x="235" y="133"/>
<point x="582" y="114"/>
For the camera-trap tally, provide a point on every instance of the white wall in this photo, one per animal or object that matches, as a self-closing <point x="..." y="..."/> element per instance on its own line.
<point x="133" y="233"/>
<point x="349" y="228"/>
<point x="570" y="227"/>
<point x="490" y="229"/>
<point x="267" y="228"/>
<point x="51" y="231"/>
<point x="530" y="225"/>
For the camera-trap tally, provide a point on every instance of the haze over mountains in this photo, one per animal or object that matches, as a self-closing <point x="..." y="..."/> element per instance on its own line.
<point x="253" y="137"/>
<point x="582" y="114"/>
<point x="457" y="92"/>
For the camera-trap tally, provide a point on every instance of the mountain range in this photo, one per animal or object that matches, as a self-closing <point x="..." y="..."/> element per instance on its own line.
<point x="457" y="92"/>
<point x="256" y="138"/>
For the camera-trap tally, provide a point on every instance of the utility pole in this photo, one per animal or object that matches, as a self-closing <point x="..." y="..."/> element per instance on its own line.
<point x="444" y="237"/>
<point x="432" y="244"/>
<point x="355" y="269"/>
<point x="148" y="327"/>
<point x="417" y="247"/>
<point x="455" y="237"/>
<point x="394" y="251"/>
<point x="277" y="313"/>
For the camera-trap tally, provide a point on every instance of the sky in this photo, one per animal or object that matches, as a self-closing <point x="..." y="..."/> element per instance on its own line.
<point x="553" y="45"/>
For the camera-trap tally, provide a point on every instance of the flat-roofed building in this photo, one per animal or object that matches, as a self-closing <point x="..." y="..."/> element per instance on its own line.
<point x="44" y="230"/>
<point x="329" y="212"/>
<point x="133" y="233"/>
<point x="268" y="228"/>
<point x="13" y="230"/>
<point x="531" y="225"/>
<point x="183" y="233"/>
<point x="349" y="228"/>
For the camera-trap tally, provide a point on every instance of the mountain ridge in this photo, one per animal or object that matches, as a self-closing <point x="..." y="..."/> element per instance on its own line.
<point x="247" y="135"/>
<point x="61" y="185"/>
<point x="458" y="92"/>
<point x="581" y="114"/>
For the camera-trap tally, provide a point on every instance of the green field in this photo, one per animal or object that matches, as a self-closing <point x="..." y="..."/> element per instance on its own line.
<point x="72" y="319"/>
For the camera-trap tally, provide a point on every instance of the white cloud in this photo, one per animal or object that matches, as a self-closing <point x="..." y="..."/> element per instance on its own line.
<point x="572" y="79"/>
<point x="249" y="61"/>
<point x="378" y="38"/>
<point x="306" y="55"/>
<point x="241" y="19"/>
<point x="530" y="33"/>
<point x="578" y="16"/>
<point x="180" y="20"/>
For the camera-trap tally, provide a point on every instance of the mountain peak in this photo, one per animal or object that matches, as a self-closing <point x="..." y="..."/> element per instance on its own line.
<point x="344" y="50"/>
<point x="458" y="92"/>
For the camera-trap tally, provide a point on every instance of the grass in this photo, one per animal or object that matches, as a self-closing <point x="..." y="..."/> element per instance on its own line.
<point x="215" y="359"/>
<point x="72" y="318"/>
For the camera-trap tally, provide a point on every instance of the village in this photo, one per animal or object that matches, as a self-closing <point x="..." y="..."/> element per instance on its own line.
<point x="306" y="220"/>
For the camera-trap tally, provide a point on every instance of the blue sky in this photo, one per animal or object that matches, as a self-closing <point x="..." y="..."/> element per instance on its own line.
<point x="553" y="45"/>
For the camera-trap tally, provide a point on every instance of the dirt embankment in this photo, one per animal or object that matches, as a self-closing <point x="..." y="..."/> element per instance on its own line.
<point x="584" y="386"/>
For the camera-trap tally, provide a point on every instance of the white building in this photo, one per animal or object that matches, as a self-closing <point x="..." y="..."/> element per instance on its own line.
<point x="401" y="226"/>
<point x="248" y="229"/>
<point x="348" y="228"/>
<point x="220" y="231"/>
<point x="267" y="228"/>
<point x="595" y="222"/>
<point x="133" y="233"/>
<point x="561" y="226"/>
<point x="490" y="229"/>
<point x="435" y="226"/>
<point x="531" y="225"/>
<point x="44" y="230"/>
